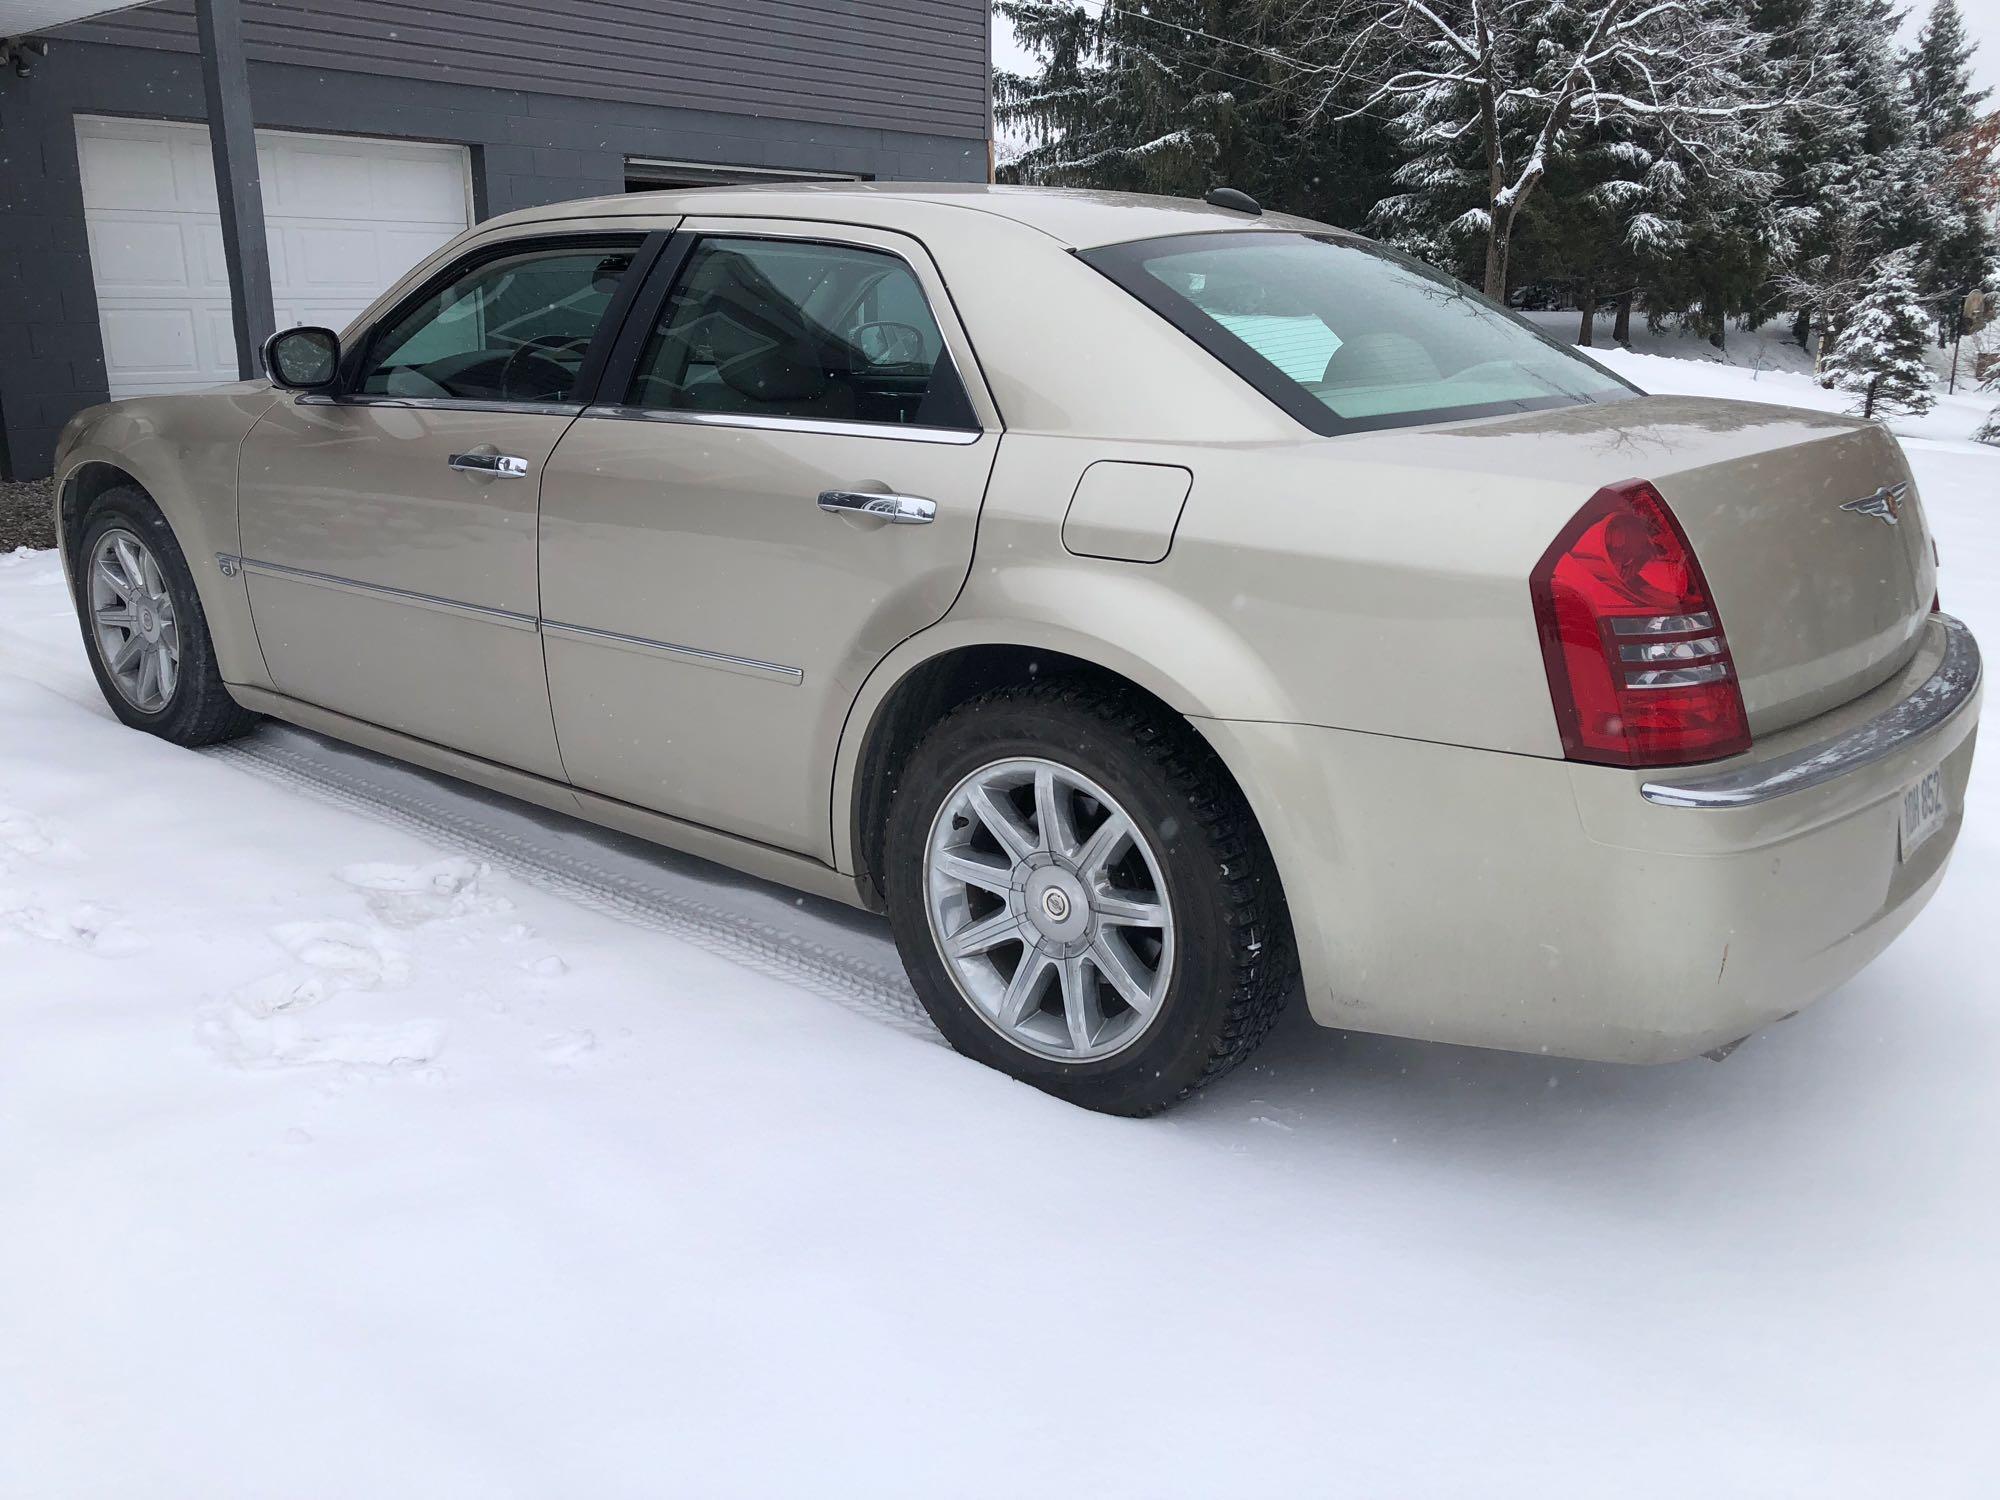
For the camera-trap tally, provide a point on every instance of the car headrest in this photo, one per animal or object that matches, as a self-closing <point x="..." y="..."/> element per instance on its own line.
<point x="1381" y="359"/>
<point x="761" y="345"/>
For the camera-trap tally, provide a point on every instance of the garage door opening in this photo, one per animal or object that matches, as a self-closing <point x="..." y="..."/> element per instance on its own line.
<point x="645" y="174"/>
<point x="345" y="217"/>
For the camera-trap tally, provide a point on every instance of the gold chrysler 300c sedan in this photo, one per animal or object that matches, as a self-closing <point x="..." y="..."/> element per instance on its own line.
<point x="1153" y="606"/>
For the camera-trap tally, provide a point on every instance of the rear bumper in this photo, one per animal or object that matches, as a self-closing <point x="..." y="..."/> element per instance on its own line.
<point x="1907" y="722"/>
<point x="1537" y="905"/>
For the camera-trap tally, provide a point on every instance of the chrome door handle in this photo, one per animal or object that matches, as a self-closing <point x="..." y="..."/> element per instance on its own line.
<point x="499" y="465"/>
<point x="897" y="510"/>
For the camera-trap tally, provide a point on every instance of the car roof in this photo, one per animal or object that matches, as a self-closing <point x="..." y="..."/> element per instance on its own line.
<point x="1078" y="218"/>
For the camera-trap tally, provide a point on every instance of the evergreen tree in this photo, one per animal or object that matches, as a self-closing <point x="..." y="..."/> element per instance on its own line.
<point x="1863" y="162"/>
<point x="1118" y="103"/>
<point x="1178" y="96"/>
<point x="1943" y="101"/>
<point x="1848" y="178"/>
<point x="1880" y="353"/>
<point x="1494" y="101"/>
<point x="1719" y="159"/>
<point x="1944" y="110"/>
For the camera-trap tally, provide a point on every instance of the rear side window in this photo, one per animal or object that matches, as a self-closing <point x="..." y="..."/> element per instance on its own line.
<point x="1346" y="336"/>
<point x="804" y="331"/>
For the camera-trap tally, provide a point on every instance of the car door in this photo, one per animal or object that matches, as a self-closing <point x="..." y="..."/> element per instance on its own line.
<point x="389" y="528"/>
<point x="786" y="485"/>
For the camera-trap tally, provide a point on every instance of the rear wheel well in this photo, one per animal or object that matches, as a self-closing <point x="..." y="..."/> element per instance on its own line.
<point x="934" y="689"/>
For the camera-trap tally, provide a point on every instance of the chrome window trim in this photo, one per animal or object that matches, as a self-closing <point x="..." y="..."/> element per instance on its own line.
<point x="957" y="436"/>
<point x="1942" y="694"/>
<point x="721" y="661"/>
<point x="512" y="619"/>
<point x="447" y="403"/>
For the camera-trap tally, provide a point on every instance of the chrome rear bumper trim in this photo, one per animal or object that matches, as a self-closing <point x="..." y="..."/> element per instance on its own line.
<point x="1942" y="694"/>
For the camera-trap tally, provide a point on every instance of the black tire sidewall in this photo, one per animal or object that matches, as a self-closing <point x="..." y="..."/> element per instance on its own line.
<point x="1176" y="1051"/>
<point x="127" y="509"/>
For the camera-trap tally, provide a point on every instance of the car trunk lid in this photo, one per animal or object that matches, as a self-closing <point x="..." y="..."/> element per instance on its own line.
<point x="1819" y="560"/>
<point x="1806" y="525"/>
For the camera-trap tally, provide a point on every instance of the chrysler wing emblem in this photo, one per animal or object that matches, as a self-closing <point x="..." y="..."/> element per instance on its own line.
<point x="1885" y="504"/>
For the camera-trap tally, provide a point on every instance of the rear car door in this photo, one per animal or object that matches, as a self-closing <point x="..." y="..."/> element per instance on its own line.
<point x="783" y="483"/>
<point x="389" y="529"/>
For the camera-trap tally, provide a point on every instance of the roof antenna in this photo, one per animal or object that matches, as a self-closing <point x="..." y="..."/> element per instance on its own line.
<point x="1227" y="197"/>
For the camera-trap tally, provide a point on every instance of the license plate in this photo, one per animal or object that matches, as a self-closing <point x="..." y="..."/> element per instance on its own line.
<point x="1923" y="810"/>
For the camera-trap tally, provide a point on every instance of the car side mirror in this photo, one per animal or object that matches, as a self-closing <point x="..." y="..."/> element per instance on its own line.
<point x="302" y="359"/>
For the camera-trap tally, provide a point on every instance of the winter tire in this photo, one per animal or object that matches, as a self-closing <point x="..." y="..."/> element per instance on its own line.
<point x="1083" y="899"/>
<point x="143" y="625"/>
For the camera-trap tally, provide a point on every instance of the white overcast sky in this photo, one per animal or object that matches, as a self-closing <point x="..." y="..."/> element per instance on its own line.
<point x="1982" y="20"/>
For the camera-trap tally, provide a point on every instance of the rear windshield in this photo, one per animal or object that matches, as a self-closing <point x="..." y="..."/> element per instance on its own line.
<point x="1348" y="336"/>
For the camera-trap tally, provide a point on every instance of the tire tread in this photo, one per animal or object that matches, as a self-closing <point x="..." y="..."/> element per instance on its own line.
<point x="202" y="711"/>
<point x="1253" y="908"/>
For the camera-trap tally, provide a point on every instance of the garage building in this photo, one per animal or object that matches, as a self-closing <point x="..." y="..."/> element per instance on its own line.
<point x="383" y="128"/>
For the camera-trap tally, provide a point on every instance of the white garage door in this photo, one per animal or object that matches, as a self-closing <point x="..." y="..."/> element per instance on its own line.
<point x="345" y="217"/>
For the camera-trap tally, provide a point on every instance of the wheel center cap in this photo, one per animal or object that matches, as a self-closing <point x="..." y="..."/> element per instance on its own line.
<point x="1056" y="905"/>
<point x="149" y="623"/>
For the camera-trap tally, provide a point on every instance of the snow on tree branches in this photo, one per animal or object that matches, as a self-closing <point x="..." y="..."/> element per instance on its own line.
<point x="1708" y="160"/>
<point x="1489" y="96"/>
<point x="1880" y="353"/>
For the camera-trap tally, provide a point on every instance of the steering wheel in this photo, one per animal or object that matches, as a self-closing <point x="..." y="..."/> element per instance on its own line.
<point x="887" y="343"/>
<point x="545" y="349"/>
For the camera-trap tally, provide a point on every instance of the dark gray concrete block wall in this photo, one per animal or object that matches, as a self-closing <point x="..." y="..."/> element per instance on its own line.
<point x="527" y="146"/>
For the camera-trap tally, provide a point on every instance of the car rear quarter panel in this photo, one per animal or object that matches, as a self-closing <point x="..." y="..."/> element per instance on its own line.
<point x="1300" y="589"/>
<point x="182" y="450"/>
<point x="1306" y="583"/>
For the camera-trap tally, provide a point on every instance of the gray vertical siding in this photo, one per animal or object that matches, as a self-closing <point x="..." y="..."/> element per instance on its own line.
<point x="902" y="64"/>
<point x="877" y="88"/>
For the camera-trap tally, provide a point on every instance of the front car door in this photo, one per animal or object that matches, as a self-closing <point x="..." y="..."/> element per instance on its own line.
<point x="389" y="530"/>
<point x="721" y="568"/>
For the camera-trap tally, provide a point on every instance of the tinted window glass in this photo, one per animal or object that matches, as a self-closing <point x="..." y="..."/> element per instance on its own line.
<point x="783" y="328"/>
<point x="510" y="329"/>
<point x="1346" y="335"/>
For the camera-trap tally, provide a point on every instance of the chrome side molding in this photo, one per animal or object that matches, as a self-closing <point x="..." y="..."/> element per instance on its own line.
<point x="1941" y="695"/>
<point x="746" y="665"/>
<point x="722" y="661"/>
<point x="510" y="618"/>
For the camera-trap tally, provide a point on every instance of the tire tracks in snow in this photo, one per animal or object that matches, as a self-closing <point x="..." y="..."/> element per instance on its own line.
<point x="876" y="991"/>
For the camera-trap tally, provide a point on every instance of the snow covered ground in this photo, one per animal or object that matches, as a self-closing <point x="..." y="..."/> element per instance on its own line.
<point x="361" y="1135"/>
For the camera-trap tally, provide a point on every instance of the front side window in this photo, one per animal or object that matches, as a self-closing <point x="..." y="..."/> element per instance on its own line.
<point x="1347" y="336"/>
<point x="800" y="330"/>
<point x="511" y="328"/>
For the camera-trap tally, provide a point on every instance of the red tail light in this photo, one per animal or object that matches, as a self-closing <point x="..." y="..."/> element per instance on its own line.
<point x="1639" y="668"/>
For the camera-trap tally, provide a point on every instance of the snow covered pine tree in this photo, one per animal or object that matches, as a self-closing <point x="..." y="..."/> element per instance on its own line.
<point x="1488" y="100"/>
<point x="1880" y="353"/>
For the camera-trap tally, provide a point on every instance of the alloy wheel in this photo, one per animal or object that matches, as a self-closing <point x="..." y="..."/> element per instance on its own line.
<point x="132" y="620"/>
<point x="1049" y="909"/>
